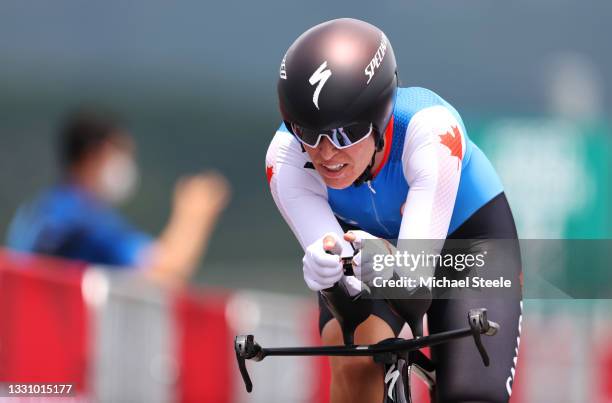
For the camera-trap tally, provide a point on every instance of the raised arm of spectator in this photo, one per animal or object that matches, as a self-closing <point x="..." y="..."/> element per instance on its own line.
<point x="198" y="202"/>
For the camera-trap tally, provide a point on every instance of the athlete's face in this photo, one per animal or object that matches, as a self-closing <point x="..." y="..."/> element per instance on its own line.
<point x="340" y="168"/>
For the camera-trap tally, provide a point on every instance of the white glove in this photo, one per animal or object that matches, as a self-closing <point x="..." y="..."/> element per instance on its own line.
<point x="363" y="266"/>
<point x="322" y="270"/>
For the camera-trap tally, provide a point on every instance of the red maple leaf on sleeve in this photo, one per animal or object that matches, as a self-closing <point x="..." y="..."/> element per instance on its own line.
<point x="453" y="142"/>
<point x="269" y="173"/>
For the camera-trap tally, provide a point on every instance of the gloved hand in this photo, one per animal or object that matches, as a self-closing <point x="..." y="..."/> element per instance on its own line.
<point x="322" y="270"/>
<point x="363" y="264"/>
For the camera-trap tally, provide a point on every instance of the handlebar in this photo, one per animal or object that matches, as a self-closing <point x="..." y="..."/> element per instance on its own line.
<point x="247" y="348"/>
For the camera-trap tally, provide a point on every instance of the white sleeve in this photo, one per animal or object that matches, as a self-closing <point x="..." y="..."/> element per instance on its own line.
<point x="432" y="158"/>
<point x="300" y="193"/>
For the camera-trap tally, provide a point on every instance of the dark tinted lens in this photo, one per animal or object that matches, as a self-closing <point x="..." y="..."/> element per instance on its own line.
<point x="308" y="136"/>
<point x="357" y="131"/>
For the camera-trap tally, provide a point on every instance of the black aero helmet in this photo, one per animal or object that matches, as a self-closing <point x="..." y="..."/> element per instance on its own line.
<point x="337" y="74"/>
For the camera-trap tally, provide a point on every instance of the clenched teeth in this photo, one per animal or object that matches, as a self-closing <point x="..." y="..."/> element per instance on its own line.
<point x="336" y="167"/>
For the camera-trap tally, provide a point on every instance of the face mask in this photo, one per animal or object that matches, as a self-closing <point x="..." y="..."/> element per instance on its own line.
<point x="118" y="178"/>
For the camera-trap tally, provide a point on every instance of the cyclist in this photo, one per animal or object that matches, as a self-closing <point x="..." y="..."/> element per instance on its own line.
<point x="356" y="151"/>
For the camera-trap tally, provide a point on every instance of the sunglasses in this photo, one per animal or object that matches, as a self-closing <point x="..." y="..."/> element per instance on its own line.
<point x="341" y="137"/>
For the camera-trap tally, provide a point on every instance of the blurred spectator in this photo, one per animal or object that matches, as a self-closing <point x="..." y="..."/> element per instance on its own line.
<point x="75" y="218"/>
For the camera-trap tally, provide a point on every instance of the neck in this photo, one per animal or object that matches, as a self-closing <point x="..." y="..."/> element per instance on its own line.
<point x="379" y="156"/>
<point x="81" y="178"/>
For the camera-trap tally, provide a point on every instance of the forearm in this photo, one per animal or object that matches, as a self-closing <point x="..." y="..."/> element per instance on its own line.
<point x="182" y="244"/>
<point x="198" y="202"/>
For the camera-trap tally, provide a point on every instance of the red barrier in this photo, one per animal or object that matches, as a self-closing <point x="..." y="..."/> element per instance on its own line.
<point x="321" y="369"/>
<point x="604" y="371"/>
<point x="43" y="326"/>
<point x="207" y="369"/>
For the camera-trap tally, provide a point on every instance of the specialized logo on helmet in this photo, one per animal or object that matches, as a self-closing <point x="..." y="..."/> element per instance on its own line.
<point x="377" y="59"/>
<point x="321" y="75"/>
<point x="283" y="71"/>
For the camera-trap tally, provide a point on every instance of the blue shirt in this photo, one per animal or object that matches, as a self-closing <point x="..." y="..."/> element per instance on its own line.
<point x="68" y="222"/>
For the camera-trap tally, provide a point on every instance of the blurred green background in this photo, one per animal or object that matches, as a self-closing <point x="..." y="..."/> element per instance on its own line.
<point x="196" y="83"/>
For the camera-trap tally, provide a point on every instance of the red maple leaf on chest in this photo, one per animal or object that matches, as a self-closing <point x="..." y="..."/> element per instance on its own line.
<point x="453" y="142"/>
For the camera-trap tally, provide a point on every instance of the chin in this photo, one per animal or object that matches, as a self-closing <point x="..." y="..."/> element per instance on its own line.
<point x="338" y="184"/>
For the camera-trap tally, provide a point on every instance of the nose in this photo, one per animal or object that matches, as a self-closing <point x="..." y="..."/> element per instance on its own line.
<point x="326" y="149"/>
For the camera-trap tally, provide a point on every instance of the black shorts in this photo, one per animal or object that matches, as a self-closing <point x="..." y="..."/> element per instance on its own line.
<point x="460" y="374"/>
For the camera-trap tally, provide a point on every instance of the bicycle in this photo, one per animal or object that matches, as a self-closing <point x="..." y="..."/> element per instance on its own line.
<point x="398" y="356"/>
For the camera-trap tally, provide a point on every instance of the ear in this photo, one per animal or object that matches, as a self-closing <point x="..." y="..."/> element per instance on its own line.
<point x="380" y="142"/>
